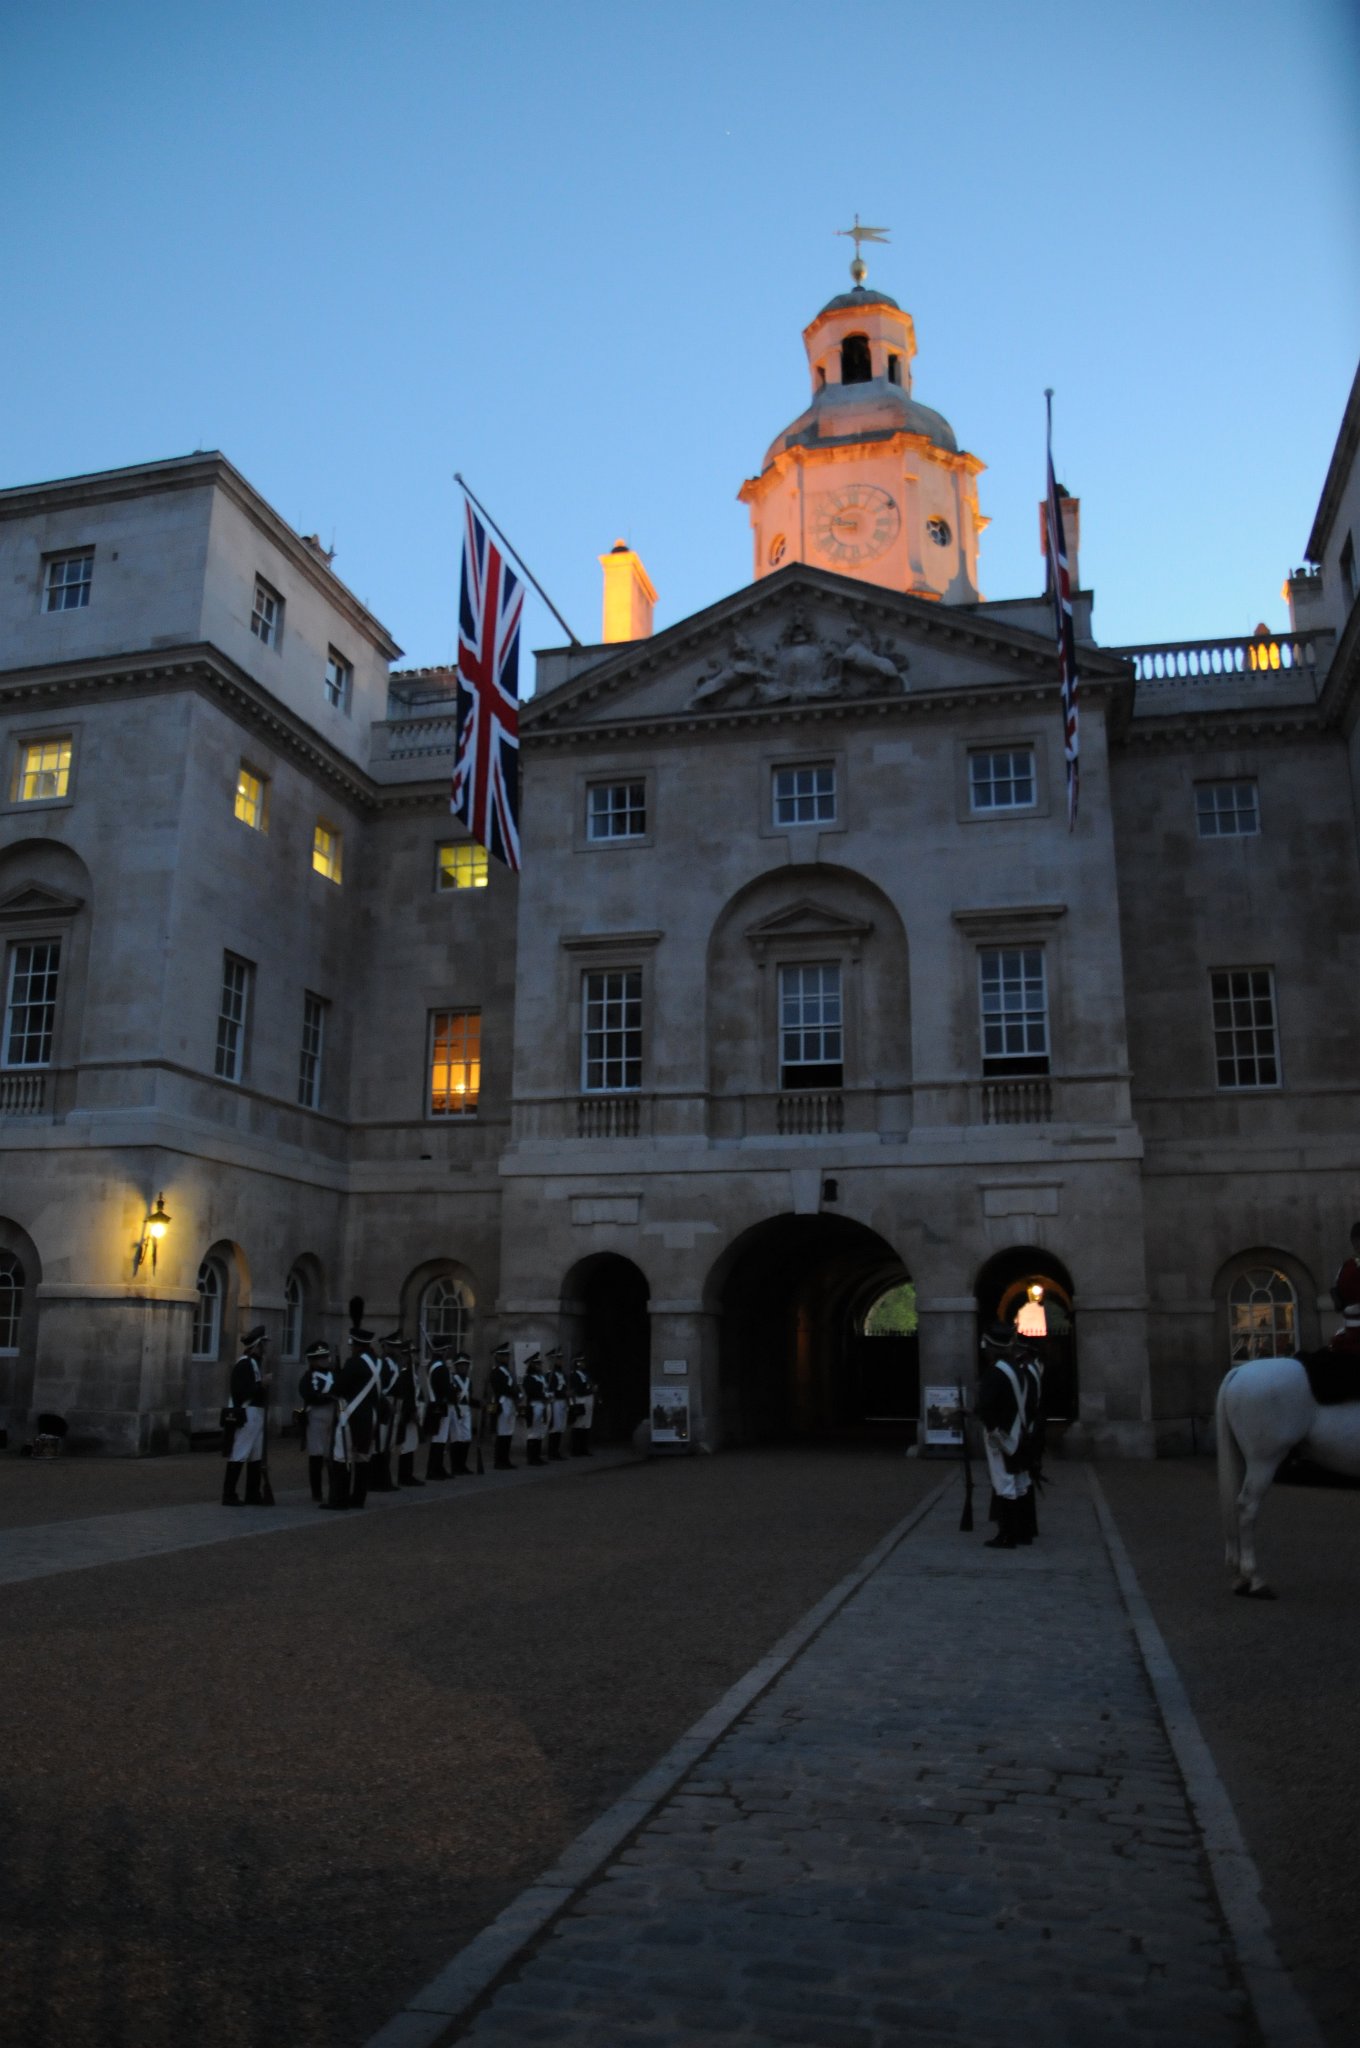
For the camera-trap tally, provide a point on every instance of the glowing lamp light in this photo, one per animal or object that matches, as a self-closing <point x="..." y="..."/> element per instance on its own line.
<point x="157" y="1223"/>
<point x="1032" y="1320"/>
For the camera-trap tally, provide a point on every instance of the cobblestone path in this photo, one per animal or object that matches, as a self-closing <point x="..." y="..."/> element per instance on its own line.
<point x="954" y="1819"/>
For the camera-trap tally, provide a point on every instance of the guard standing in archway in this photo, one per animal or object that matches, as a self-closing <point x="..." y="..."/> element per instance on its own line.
<point x="1002" y="1409"/>
<point x="316" y="1394"/>
<point x="503" y="1389"/>
<point x="581" y="1393"/>
<point x="245" y="1430"/>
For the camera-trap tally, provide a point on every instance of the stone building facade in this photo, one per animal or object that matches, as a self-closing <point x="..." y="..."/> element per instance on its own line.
<point x="806" y="989"/>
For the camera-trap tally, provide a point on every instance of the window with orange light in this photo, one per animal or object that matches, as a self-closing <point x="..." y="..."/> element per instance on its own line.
<point x="455" y="1062"/>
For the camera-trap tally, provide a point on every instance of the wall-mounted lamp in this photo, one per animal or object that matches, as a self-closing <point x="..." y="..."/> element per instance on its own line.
<point x="157" y="1223"/>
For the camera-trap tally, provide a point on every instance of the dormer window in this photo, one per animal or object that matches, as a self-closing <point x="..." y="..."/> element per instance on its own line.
<point x="856" y="367"/>
<point x="894" y="369"/>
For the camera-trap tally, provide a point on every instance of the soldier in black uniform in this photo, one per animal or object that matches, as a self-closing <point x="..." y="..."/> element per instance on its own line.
<point x="557" y="1402"/>
<point x="316" y="1397"/>
<point x="243" y="1442"/>
<point x="503" y="1392"/>
<point x="353" y="1446"/>
<point x="385" y="1425"/>
<point x="407" y="1398"/>
<point x="535" y="1389"/>
<point x="460" y="1412"/>
<point x="581" y="1406"/>
<point x="1001" y="1408"/>
<point x="437" y="1414"/>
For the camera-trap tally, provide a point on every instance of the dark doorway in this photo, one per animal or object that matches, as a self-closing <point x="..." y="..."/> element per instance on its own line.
<point x="1004" y="1288"/>
<point x="605" y="1299"/>
<point x="792" y="1295"/>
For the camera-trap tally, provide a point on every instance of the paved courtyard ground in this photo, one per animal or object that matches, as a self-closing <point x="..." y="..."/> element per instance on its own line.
<point x="261" y="1789"/>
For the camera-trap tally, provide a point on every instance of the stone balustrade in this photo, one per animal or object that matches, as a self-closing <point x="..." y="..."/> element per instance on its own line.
<point x="1166" y="665"/>
<point x="23" y="1093"/>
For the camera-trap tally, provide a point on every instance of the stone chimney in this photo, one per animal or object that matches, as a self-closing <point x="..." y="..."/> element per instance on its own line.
<point x="628" y="595"/>
<point x="1071" y="514"/>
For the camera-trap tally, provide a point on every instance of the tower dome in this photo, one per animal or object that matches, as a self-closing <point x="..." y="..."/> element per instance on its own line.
<point x="867" y="480"/>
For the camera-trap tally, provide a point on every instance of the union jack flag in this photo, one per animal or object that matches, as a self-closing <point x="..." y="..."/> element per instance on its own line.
<point x="486" y="762"/>
<point x="1060" y="589"/>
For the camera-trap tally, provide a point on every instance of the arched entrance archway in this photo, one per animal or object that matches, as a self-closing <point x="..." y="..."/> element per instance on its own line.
<point x="1003" y="1288"/>
<point x="792" y="1295"/>
<point x="604" y="1302"/>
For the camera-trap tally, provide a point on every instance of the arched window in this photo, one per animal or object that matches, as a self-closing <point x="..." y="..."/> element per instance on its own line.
<point x="1263" y="1319"/>
<point x="294" y="1302"/>
<point x="446" y="1313"/>
<point x="11" y="1301"/>
<point x="856" y="365"/>
<point x="208" y="1314"/>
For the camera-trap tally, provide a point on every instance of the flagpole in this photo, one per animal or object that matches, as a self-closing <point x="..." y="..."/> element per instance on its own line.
<point x="527" y="572"/>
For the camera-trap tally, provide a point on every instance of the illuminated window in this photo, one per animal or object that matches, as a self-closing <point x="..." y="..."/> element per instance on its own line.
<point x="1226" y="810"/>
<point x="811" y="1040"/>
<point x="616" y="810"/>
<point x="11" y="1301"/>
<point x="207" y="1335"/>
<point x="455" y="1062"/>
<point x="67" y="587"/>
<point x="1246" y="1048"/>
<point x="42" y="770"/>
<point x="339" y="680"/>
<point x="1001" y="781"/>
<point x="1262" y="1316"/>
<point x="252" y="798"/>
<point x="233" y="1017"/>
<point x="805" y="796"/>
<point x="31" y="1003"/>
<point x="445" y="1315"/>
<point x="266" y="617"/>
<point x="1014" y="1004"/>
<point x="309" y="1060"/>
<point x="460" y="864"/>
<point x="611" y="1030"/>
<point x="326" y="850"/>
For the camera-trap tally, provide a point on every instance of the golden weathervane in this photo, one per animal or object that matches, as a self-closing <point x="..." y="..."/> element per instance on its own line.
<point x="859" y="270"/>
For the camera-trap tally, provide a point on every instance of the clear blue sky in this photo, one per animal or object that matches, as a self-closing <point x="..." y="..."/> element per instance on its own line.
<point x="570" y="251"/>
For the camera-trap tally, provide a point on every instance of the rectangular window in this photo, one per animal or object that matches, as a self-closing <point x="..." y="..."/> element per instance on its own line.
<point x="805" y="796"/>
<point x="31" y="1003"/>
<point x="327" y="847"/>
<point x="233" y="1016"/>
<point x="339" y="680"/>
<point x="42" y="770"/>
<point x="309" y="1060"/>
<point x="455" y="1062"/>
<point x="611" y="1030"/>
<point x="252" y="798"/>
<point x="1002" y="781"/>
<point x="810" y="1026"/>
<point x="1014" y="1001"/>
<point x="1246" y="1049"/>
<point x="1226" y="810"/>
<point x="616" y="810"/>
<point x="67" y="586"/>
<point x="266" y="618"/>
<point x="460" y="864"/>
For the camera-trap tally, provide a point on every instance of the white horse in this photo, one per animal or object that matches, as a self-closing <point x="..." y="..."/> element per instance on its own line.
<point x="1265" y="1410"/>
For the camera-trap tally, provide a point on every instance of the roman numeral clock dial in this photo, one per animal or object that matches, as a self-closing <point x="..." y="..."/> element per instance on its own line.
<point x="854" y="524"/>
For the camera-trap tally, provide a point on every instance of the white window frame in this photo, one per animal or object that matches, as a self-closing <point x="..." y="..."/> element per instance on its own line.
<point x="212" y="1290"/>
<point x="445" y="1099"/>
<point x="311" y="1052"/>
<point x="616" y="811"/>
<point x="294" y="1309"/>
<point x="63" y="591"/>
<point x="339" y="683"/>
<point x="460" y="864"/>
<point x="20" y="1002"/>
<point x="804" y="794"/>
<point x="1244" y="1040"/>
<point x="811" y="1025"/>
<point x="233" y="1018"/>
<point x="12" y="1282"/>
<point x="1263" y="1314"/>
<point x="444" y="1312"/>
<point x="1013" y="1011"/>
<point x="987" y="775"/>
<point x="60" y="769"/>
<point x="1221" y="812"/>
<point x="328" y="858"/>
<point x="266" y="615"/>
<point x="253" y="813"/>
<point x="611" y="1030"/>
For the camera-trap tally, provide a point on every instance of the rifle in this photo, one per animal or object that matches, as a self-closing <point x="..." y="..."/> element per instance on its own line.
<point x="266" y="1483"/>
<point x="966" y="1518"/>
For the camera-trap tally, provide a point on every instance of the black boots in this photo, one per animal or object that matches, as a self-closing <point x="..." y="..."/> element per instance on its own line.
<point x="534" y="1450"/>
<point x="231" y="1478"/>
<point x="339" y="1488"/>
<point x="406" y="1469"/>
<point x="554" y="1444"/>
<point x="1026" y="1520"/>
<point x="503" y="1454"/>
<point x="315" y="1468"/>
<point x="1005" y="1537"/>
<point x="379" y="1474"/>
<point x="459" y="1455"/>
<point x="253" y="1471"/>
<point x="434" y="1468"/>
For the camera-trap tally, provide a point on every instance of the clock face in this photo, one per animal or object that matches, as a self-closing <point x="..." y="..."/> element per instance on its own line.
<point x="855" y="523"/>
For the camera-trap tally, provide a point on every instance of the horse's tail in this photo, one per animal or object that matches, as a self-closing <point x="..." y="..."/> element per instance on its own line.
<point x="1232" y="1469"/>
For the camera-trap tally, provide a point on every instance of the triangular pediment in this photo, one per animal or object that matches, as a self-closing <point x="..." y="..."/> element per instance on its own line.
<point x="806" y="919"/>
<point x="32" y="902"/>
<point x="798" y="641"/>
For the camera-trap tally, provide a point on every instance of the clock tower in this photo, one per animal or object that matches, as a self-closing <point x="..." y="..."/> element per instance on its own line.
<point x="867" y="481"/>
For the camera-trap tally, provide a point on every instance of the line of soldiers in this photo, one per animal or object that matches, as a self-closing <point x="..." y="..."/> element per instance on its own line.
<point x="354" y="1418"/>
